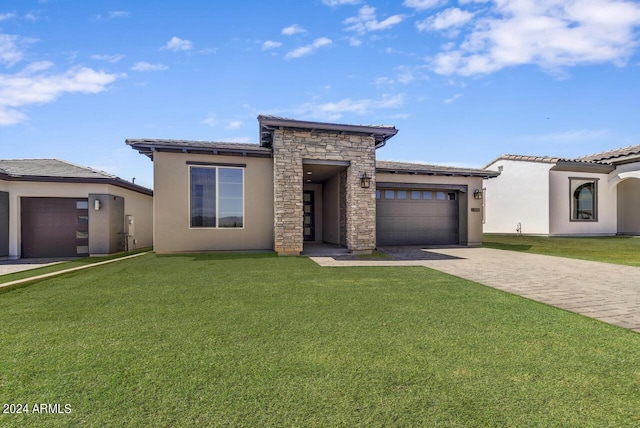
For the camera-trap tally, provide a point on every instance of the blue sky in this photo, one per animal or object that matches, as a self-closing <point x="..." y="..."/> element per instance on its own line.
<point x="464" y="81"/>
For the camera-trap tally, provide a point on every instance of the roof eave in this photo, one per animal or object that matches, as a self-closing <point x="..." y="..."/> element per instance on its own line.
<point x="86" y="180"/>
<point x="148" y="149"/>
<point x="268" y="124"/>
<point x="435" y="172"/>
<point x="573" y="166"/>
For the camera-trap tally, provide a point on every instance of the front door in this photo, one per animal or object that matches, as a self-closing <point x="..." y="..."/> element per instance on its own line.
<point x="308" y="217"/>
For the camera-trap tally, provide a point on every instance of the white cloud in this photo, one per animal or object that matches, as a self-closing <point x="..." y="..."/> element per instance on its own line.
<point x="354" y="41"/>
<point x="233" y="124"/>
<point x="452" y="99"/>
<point x="32" y="86"/>
<point x="119" y="14"/>
<point x="270" y="44"/>
<point x="383" y="81"/>
<point x="408" y="74"/>
<point x="423" y="4"/>
<point x="335" y="110"/>
<point x="366" y="21"/>
<point x="30" y="17"/>
<point x="177" y="44"/>
<point x="5" y="16"/>
<point x="449" y="18"/>
<point x="10" y="52"/>
<point x="210" y="120"/>
<point x="552" y="34"/>
<point x="109" y="58"/>
<point x="334" y="3"/>
<point x="145" y="66"/>
<point x="572" y="136"/>
<point x="308" y="49"/>
<point x="293" y="29"/>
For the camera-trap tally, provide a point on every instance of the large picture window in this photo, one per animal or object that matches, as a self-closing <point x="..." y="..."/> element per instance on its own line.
<point x="584" y="199"/>
<point x="217" y="197"/>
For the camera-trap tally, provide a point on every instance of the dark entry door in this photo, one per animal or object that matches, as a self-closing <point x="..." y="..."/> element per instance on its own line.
<point x="54" y="227"/>
<point x="309" y="224"/>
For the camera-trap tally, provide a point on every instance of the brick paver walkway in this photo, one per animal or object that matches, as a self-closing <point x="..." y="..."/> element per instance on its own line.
<point x="607" y="292"/>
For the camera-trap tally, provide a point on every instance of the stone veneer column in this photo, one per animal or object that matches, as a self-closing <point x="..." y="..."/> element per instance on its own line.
<point x="290" y="148"/>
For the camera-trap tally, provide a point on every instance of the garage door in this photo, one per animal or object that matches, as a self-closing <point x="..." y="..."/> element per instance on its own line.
<point x="416" y="217"/>
<point x="54" y="227"/>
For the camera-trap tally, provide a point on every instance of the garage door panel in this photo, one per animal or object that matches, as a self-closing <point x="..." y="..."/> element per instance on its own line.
<point x="54" y="227"/>
<point x="417" y="222"/>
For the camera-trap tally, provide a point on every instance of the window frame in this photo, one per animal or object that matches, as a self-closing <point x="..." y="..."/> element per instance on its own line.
<point x="216" y="168"/>
<point x="572" y="201"/>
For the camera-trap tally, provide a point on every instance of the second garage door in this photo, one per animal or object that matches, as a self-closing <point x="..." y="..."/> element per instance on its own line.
<point x="54" y="227"/>
<point x="417" y="217"/>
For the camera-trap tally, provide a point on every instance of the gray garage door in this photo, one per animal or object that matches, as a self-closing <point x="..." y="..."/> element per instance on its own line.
<point x="416" y="217"/>
<point x="54" y="227"/>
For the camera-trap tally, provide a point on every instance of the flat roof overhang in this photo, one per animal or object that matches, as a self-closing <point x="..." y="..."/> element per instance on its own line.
<point x="148" y="147"/>
<point x="433" y="170"/>
<point x="578" y="166"/>
<point x="270" y="123"/>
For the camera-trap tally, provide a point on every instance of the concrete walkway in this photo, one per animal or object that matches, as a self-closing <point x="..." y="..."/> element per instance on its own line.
<point x="61" y="272"/>
<point x="607" y="292"/>
<point x="13" y="266"/>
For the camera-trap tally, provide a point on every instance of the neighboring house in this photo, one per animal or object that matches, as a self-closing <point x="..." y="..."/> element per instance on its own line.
<point x="591" y="195"/>
<point x="306" y="182"/>
<point x="52" y="208"/>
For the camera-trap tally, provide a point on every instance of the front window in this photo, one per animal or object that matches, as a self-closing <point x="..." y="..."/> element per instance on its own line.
<point x="217" y="197"/>
<point x="584" y="199"/>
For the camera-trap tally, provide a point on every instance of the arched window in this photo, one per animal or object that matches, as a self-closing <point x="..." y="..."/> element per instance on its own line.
<point x="583" y="199"/>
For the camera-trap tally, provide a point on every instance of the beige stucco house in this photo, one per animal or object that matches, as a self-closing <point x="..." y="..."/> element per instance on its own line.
<point x="52" y="208"/>
<point x="542" y="195"/>
<point x="306" y="182"/>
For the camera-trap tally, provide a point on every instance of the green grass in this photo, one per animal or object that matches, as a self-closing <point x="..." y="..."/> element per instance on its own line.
<point x="621" y="250"/>
<point x="258" y="340"/>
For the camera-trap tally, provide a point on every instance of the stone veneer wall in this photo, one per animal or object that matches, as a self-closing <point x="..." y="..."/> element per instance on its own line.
<point x="290" y="148"/>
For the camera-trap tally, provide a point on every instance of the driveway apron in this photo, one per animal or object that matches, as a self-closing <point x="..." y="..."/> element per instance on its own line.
<point x="606" y="292"/>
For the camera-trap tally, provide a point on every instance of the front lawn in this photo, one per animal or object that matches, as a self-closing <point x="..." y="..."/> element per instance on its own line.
<point x="623" y="250"/>
<point x="258" y="340"/>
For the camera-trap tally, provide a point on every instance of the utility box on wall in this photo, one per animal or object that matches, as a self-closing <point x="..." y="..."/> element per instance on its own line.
<point x="130" y="232"/>
<point x="106" y="224"/>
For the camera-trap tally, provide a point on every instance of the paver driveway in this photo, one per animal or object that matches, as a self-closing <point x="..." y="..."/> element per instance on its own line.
<point x="607" y="292"/>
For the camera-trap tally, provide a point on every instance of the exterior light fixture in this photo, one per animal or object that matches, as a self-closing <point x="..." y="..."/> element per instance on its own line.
<point x="477" y="194"/>
<point x="365" y="181"/>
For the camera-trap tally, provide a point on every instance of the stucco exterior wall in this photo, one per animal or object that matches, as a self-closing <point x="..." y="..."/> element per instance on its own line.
<point x="18" y="189"/>
<point x="472" y="233"/>
<point x="141" y="208"/>
<point x="290" y="149"/>
<point x="560" y="206"/>
<point x="519" y="195"/>
<point x="172" y="231"/>
<point x="629" y="207"/>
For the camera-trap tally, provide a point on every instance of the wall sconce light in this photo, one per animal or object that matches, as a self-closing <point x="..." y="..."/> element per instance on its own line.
<point x="365" y="181"/>
<point x="477" y="194"/>
<point x="97" y="205"/>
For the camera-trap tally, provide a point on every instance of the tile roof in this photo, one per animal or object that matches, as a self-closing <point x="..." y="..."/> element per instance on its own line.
<point x="56" y="170"/>
<point x="419" y="168"/>
<point x="547" y="159"/>
<point x="613" y="155"/>
<point x="49" y="168"/>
